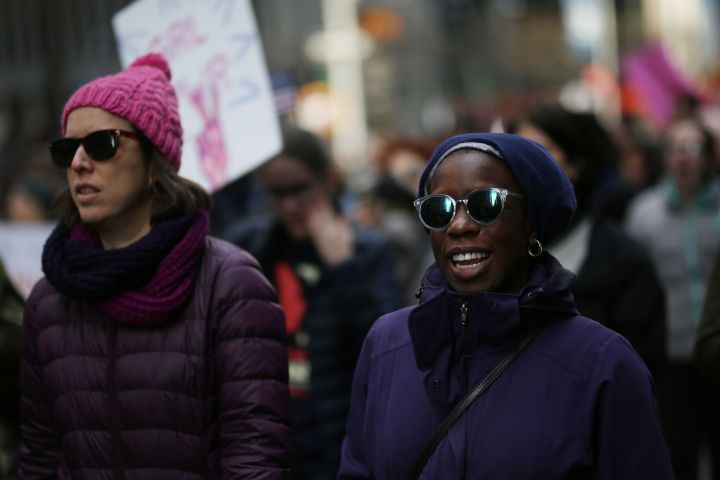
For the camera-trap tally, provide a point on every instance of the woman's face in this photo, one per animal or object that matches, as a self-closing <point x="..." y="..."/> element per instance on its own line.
<point x="684" y="156"/>
<point x="502" y="261"/>
<point x="294" y="189"/>
<point x="112" y="195"/>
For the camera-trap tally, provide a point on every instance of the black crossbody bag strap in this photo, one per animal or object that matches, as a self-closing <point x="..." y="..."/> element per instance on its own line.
<point x="463" y="404"/>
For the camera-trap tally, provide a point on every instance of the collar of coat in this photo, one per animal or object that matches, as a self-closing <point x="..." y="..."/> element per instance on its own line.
<point x="706" y="197"/>
<point x="490" y="318"/>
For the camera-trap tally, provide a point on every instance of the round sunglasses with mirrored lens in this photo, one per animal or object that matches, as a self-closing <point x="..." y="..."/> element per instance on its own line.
<point x="484" y="205"/>
<point x="99" y="145"/>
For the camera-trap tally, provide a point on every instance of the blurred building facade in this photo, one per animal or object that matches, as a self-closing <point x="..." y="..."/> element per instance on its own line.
<point x="417" y="67"/>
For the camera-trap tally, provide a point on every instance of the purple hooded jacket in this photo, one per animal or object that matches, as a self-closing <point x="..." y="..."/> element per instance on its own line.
<point x="576" y="403"/>
<point x="202" y="396"/>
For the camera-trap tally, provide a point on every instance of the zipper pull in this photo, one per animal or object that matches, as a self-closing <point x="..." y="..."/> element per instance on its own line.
<point x="463" y="314"/>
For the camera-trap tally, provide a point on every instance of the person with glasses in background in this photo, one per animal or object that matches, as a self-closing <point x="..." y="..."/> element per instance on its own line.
<point x="333" y="277"/>
<point x="150" y="350"/>
<point x="677" y="222"/>
<point x="495" y="374"/>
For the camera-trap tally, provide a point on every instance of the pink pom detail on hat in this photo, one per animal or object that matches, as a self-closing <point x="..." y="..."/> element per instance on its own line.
<point x="143" y="95"/>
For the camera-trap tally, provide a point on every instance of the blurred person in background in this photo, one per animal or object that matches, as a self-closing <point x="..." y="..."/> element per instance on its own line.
<point x="616" y="281"/>
<point x="389" y="208"/>
<point x="677" y="223"/>
<point x="25" y="174"/>
<point x="150" y="349"/>
<point x="30" y="199"/>
<point x="11" y="310"/>
<point x="639" y="165"/>
<point x="241" y="197"/>
<point x="333" y="278"/>
<point x="706" y="353"/>
<point x="575" y="401"/>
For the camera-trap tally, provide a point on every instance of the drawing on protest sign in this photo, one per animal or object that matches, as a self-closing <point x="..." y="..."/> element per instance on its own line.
<point x="225" y="97"/>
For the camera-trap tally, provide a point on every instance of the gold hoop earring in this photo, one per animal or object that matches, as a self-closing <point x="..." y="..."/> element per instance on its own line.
<point x="535" y="249"/>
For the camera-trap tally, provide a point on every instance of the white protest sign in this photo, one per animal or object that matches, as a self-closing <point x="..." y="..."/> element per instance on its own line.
<point x="225" y="97"/>
<point x="21" y="246"/>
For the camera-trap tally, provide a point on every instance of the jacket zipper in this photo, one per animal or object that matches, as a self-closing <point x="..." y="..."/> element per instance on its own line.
<point x="465" y="348"/>
<point x="113" y="408"/>
<point x="465" y="335"/>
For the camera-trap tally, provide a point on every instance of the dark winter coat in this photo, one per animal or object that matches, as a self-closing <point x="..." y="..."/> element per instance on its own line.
<point x="11" y="310"/>
<point x="341" y="307"/>
<point x="203" y="396"/>
<point x="576" y="404"/>
<point x="619" y="287"/>
<point x="707" y="346"/>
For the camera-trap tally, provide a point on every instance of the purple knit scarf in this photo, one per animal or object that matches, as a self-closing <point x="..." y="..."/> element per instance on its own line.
<point x="142" y="284"/>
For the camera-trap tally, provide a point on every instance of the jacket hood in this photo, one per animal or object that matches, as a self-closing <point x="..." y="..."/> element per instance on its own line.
<point x="490" y="317"/>
<point x="548" y="281"/>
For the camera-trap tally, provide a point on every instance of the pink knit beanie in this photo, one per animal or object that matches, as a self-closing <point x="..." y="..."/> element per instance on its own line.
<point x="141" y="94"/>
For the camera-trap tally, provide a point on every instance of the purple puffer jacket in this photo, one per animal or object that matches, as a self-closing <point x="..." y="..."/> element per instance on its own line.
<point x="577" y="403"/>
<point x="203" y="396"/>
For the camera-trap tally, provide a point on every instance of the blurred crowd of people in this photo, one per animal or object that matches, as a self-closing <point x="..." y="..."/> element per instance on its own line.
<point x="643" y="245"/>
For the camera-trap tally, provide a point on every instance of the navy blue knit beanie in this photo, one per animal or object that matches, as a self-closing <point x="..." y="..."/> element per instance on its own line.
<point x="550" y="195"/>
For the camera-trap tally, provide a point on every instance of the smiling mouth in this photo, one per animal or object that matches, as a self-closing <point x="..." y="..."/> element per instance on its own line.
<point x="469" y="260"/>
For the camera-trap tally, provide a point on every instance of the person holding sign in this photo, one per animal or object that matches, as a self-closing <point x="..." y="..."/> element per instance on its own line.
<point x="495" y="374"/>
<point x="150" y="349"/>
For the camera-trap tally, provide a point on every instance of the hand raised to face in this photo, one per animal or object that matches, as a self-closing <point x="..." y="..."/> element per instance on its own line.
<point x="330" y="232"/>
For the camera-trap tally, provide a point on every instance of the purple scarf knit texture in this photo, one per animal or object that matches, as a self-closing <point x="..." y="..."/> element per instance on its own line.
<point x="142" y="284"/>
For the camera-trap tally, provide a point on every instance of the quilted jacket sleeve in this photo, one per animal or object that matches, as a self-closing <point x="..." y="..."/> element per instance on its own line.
<point x="251" y="369"/>
<point x="40" y="448"/>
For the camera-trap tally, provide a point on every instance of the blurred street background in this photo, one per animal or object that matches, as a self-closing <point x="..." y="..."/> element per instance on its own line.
<point x="370" y="76"/>
<point x="356" y="71"/>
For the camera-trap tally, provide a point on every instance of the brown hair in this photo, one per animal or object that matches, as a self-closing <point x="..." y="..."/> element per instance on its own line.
<point x="392" y="145"/>
<point x="172" y="194"/>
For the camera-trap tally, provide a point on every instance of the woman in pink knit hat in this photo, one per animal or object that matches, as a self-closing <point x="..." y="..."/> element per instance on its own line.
<point x="150" y="350"/>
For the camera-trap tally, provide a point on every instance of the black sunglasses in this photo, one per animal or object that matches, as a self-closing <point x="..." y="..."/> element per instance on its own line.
<point x="295" y="190"/>
<point x="484" y="205"/>
<point x="99" y="145"/>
